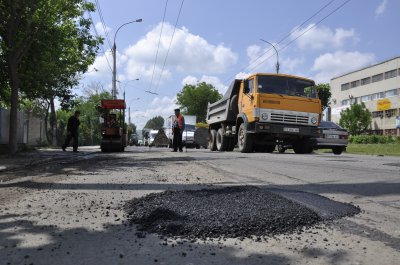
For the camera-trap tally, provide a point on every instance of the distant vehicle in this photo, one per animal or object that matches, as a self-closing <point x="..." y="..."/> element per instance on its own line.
<point x="140" y="142"/>
<point x="331" y="136"/>
<point x="133" y="140"/>
<point x="187" y="135"/>
<point x="152" y="135"/>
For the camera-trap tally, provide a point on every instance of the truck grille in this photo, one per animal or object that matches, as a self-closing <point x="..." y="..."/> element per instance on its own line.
<point x="289" y="118"/>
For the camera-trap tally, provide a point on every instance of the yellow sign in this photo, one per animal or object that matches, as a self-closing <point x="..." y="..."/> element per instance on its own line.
<point x="384" y="104"/>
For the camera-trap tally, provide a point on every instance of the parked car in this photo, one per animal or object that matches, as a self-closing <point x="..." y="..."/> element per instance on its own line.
<point x="332" y="136"/>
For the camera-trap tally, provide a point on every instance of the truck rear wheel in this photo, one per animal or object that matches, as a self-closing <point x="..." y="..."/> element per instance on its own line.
<point x="245" y="140"/>
<point x="221" y="141"/>
<point x="212" y="141"/>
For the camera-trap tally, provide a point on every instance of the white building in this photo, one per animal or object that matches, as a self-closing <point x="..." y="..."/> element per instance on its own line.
<point x="378" y="86"/>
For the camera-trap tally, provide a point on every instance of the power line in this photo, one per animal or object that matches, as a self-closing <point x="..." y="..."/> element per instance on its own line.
<point x="101" y="46"/>
<point x="170" y="43"/>
<point x="158" y="46"/>
<point x="103" y="23"/>
<point x="284" y="38"/>
<point x="310" y="28"/>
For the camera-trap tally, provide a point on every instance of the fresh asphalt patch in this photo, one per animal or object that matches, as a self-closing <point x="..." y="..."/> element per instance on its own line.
<point x="232" y="212"/>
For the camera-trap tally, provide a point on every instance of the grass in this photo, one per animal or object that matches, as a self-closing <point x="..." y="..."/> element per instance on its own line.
<point x="374" y="149"/>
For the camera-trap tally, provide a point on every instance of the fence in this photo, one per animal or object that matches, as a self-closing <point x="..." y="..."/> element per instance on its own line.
<point x="31" y="129"/>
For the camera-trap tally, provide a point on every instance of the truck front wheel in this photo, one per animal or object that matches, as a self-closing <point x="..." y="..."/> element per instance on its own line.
<point x="212" y="141"/>
<point x="245" y="140"/>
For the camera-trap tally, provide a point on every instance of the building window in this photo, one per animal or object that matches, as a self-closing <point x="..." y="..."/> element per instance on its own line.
<point x="353" y="100"/>
<point x="391" y="113"/>
<point x="345" y="86"/>
<point x="345" y="102"/>
<point x="376" y="114"/>
<point x="365" y="81"/>
<point x="355" y="83"/>
<point x="391" y="93"/>
<point x="391" y="74"/>
<point x="377" y="78"/>
<point x="366" y="98"/>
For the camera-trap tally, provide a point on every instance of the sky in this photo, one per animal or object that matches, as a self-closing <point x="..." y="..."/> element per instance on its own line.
<point x="183" y="42"/>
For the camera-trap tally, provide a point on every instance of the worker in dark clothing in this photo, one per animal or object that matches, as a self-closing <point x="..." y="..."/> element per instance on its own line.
<point x="72" y="131"/>
<point x="177" y="129"/>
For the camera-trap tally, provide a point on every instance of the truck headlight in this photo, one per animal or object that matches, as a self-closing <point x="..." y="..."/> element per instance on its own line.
<point x="264" y="116"/>
<point x="314" y="120"/>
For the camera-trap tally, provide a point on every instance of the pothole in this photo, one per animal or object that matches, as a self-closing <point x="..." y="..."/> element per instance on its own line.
<point x="231" y="212"/>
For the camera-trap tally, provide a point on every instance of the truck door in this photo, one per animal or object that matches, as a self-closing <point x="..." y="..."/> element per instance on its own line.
<point x="246" y="104"/>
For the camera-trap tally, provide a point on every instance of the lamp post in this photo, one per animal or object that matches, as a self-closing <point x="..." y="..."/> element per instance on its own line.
<point x="277" y="55"/>
<point x="114" y="52"/>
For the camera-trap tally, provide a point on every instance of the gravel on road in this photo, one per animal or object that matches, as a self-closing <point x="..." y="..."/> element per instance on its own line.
<point x="231" y="212"/>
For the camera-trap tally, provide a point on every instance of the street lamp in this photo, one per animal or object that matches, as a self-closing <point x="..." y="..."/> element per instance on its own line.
<point x="114" y="51"/>
<point x="277" y="55"/>
<point x="137" y="79"/>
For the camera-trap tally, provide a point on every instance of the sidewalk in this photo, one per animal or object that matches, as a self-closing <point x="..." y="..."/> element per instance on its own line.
<point x="41" y="156"/>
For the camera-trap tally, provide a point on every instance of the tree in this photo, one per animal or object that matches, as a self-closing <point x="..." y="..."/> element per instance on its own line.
<point x="324" y="93"/>
<point x="356" y="119"/>
<point x="193" y="99"/>
<point x="89" y="130"/>
<point x="155" y="123"/>
<point x="44" y="45"/>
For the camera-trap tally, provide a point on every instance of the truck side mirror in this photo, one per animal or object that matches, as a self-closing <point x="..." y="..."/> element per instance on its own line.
<point x="246" y="88"/>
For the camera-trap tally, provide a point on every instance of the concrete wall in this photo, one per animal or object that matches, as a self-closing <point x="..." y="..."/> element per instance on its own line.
<point x="30" y="128"/>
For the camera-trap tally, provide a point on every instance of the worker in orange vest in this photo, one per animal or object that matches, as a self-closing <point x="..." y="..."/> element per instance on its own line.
<point x="177" y="129"/>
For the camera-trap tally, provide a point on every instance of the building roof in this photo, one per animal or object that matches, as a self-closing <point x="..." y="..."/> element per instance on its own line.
<point x="370" y="66"/>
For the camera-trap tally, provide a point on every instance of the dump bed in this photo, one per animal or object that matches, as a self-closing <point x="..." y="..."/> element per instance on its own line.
<point x="225" y="109"/>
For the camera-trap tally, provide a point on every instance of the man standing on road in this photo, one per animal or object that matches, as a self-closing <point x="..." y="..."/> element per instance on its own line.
<point x="177" y="129"/>
<point x="72" y="131"/>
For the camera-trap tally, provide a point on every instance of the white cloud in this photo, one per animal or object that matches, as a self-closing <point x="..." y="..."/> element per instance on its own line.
<point x="330" y="65"/>
<point x="189" y="53"/>
<point x="322" y="37"/>
<point x="100" y="29"/>
<point x="213" y="80"/>
<point x="381" y="8"/>
<point x="159" y="106"/>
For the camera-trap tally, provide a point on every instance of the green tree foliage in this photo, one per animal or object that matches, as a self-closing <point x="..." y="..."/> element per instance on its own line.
<point x="193" y="99"/>
<point x="356" y="119"/>
<point x="89" y="130"/>
<point x="44" y="46"/>
<point x="155" y="123"/>
<point x="324" y="93"/>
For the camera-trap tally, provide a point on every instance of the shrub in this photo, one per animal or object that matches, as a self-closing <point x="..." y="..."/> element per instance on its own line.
<point x="374" y="139"/>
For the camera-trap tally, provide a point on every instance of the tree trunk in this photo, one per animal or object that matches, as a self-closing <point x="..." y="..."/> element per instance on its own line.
<point x="46" y="119"/>
<point x="53" y="122"/>
<point x="13" y="132"/>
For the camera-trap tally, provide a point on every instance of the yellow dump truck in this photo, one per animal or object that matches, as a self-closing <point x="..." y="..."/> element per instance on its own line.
<point x="264" y="110"/>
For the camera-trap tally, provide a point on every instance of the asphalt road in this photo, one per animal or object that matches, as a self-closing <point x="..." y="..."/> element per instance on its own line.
<point x="72" y="212"/>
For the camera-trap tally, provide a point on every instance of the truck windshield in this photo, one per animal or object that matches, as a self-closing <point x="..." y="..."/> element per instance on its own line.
<point x="286" y="86"/>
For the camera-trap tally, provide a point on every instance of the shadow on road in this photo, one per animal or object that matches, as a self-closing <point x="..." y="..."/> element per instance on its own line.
<point x="116" y="244"/>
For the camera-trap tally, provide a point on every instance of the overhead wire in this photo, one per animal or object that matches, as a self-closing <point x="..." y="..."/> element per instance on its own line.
<point x="158" y="46"/>
<point x="103" y="23"/>
<point x="304" y="32"/>
<point x="101" y="46"/>
<point x="169" y="47"/>
<point x="281" y="40"/>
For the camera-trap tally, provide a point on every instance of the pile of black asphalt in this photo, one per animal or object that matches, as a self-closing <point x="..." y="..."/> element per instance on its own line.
<point x="231" y="212"/>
